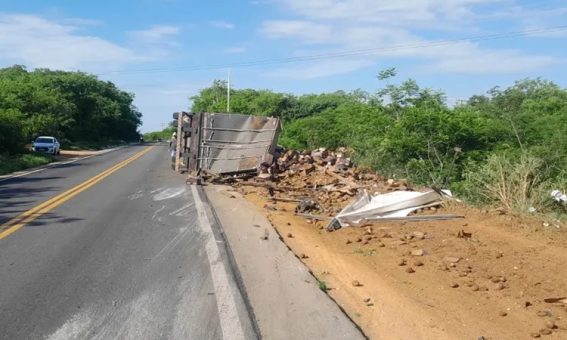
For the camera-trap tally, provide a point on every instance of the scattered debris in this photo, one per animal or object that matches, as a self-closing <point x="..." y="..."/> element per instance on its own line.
<point x="555" y="300"/>
<point x="307" y="205"/>
<point x="542" y="313"/>
<point x="451" y="259"/>
<point x="418" y="252"/>
<point x="550" y="324"/>
<point x="499" y="286"/>
<point x="266" y="234"/>
<point x="410" y="270"/>
<point x="464" y="234"/>
<point x="418" y="235"/>
<point x="355" y="283"/>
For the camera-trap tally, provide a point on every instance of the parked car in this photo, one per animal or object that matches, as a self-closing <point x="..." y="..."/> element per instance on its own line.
<point x="46" y="144"/>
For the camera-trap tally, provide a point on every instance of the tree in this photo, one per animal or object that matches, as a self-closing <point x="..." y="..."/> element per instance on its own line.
<point x="72" y="106"/>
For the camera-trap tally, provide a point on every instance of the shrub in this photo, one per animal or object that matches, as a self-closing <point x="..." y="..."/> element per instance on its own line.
<point x="511" y="180"/>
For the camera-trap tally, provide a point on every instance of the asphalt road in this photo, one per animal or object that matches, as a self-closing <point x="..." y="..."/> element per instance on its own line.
<point x="132" y="256"/>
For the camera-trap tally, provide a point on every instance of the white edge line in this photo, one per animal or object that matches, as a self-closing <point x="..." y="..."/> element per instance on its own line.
<point x="226" y="305"/>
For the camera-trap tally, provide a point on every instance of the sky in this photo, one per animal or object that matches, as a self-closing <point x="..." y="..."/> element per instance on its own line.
<point x="164" y="51"/>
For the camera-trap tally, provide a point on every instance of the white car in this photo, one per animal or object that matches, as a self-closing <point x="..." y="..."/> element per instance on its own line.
<point x="46" y="144"/>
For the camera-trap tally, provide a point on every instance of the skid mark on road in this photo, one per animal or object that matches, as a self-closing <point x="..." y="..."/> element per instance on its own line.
<point x="168" y="194"/>
<point x="157" y="212"/>
<point x="183" y="211"/>
<point x="136" y="195"/>
<point x="156" y="190"/>
<point x="172" y="243"/>
<point x="75" y="328"/>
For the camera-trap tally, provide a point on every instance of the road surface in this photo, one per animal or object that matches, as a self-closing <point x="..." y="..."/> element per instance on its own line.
<point x="114" y="246"/>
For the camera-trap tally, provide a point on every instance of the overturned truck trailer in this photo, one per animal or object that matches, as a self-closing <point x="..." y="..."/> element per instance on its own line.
<point x="226" y="144"/>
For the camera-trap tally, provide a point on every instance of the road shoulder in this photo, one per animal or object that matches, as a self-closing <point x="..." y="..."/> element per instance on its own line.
<point x="282" y="292"/>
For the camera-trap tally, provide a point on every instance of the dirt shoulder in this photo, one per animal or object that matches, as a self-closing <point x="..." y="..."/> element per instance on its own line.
<point x="491" y="282"/>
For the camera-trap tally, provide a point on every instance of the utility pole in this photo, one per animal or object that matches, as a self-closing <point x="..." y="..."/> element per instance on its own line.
<point x="228" y="94"/>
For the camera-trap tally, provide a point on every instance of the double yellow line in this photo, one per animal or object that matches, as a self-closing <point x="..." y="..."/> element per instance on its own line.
<point x="26" y="217"/>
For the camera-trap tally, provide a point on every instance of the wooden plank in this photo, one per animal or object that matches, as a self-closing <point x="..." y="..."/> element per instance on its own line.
<point x="179" y="143"/>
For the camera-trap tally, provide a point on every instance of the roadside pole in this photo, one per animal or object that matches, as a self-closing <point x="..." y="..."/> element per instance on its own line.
<point x="228" y="94"/>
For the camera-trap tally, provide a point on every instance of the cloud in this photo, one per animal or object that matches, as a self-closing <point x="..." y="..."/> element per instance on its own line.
<point x="474" y="60"/>
<point x="41" y="43"/>
<point x="37" y="42"/>
<point x="235" y="50"/>
<point x="156" y="41"/>
<point x="394" y="13"/>
<point x="377" y="31"/>
<point x="324" y="68"/>
<point x="221" y="24"/>
<point x="303" y="30"/>
<point x="155" y="33"/>
<point x="82" y="22"/>
<point x="261" y="2"/>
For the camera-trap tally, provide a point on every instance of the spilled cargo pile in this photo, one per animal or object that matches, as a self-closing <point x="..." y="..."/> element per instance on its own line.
<point x="326" y="185"/>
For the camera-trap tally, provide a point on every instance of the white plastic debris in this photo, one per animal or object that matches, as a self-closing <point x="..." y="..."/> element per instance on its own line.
<point x="558" y="196"/>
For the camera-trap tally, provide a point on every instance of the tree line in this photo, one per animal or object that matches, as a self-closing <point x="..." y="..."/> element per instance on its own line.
<point x="506" y="145"/>
<point x="74" y="107"/>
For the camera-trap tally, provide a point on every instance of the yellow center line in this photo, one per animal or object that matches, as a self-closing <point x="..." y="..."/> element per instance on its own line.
<point x="26" y="217"/>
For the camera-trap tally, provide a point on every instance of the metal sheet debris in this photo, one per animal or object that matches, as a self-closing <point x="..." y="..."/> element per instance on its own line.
<point x="396" y="204"/>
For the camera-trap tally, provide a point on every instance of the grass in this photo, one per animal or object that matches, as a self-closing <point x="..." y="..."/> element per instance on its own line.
<point x="323" y="286"/>
<point x="11" y="163"/>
